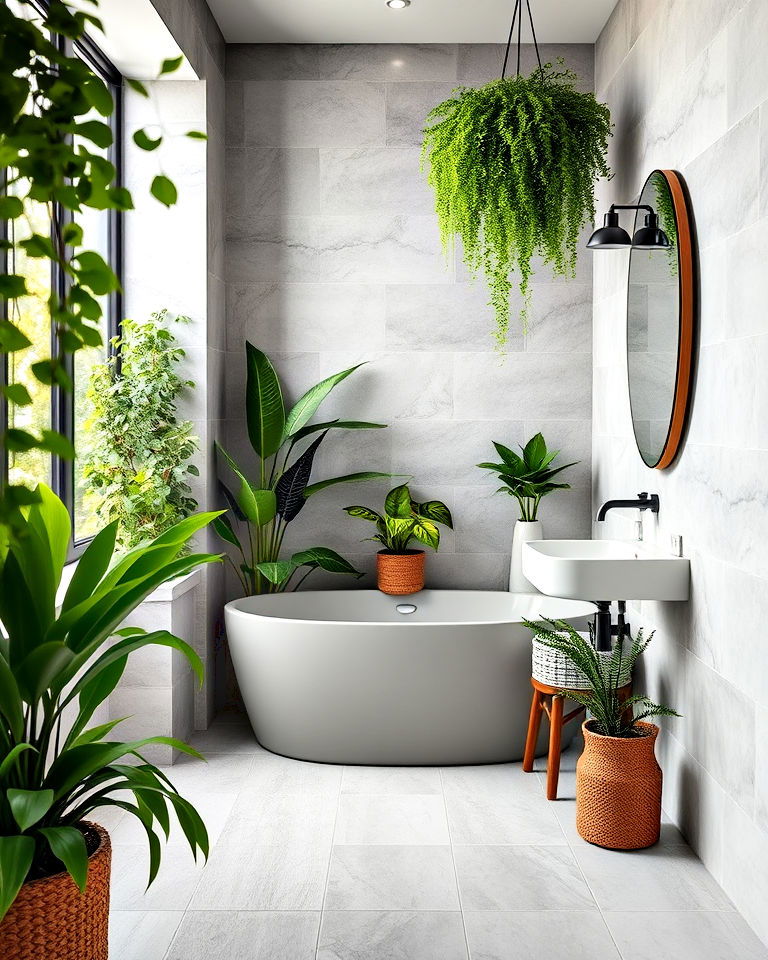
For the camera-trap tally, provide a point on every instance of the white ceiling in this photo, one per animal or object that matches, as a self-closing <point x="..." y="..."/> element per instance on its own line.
<point x="425" y="21"/>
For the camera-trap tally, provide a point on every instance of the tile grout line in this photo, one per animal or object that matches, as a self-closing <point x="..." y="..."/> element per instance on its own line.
<point x="453" y="861"/>
<point x="330" y="858"/>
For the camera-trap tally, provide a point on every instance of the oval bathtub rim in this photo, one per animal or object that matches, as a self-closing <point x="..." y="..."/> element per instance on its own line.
<point x="232" y="609"/>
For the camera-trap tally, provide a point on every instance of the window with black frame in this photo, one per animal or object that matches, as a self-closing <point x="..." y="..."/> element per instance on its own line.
<point x="52" y="407"/>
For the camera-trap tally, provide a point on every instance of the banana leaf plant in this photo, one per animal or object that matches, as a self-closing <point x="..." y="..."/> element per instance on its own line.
<point x="263" y="507"/>
<point x="57" y="665"/>
<point x="528" y="478"/>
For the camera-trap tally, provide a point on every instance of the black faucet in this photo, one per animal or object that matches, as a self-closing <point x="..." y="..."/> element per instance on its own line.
<point x="644" y="502"/>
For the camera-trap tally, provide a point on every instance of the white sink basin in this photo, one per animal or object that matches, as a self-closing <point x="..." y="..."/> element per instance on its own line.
<point x="605" y="570"/>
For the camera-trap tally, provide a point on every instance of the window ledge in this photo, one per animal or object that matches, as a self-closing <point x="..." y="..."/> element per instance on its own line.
<point x="164" y="593"/>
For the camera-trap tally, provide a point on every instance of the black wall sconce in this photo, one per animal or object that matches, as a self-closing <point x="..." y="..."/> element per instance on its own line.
<point x="611" y="236"/>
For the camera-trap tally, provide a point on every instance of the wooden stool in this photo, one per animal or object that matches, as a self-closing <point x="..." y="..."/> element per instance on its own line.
<point x="554" y="711"/>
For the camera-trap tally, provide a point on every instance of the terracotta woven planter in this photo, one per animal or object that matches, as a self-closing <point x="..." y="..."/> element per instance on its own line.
<point x="400" y="573"/>
<point x="618" y="790"/>
<point x="51" y="920"/>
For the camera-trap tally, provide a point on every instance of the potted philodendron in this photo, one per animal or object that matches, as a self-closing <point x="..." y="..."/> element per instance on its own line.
<point x="618" y="780"/>
<point x="59" y="661"/>
<point x="527" y="478"/>
<point x="400" y="569"/>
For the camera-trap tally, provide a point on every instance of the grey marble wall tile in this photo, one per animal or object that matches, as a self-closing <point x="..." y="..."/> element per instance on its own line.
<point x="481" y="62"/>
<point x="272" y="61"/>
<point x="279" y="316"/>
<point x="744" y="877"/>
<point x="387" y="61"/>
<point x="373" y="180"/>
<point x="611" y="47"/>
<point x="300" y="113"/>
<point x="704" y="20"/>
<point x="723" y="182"/>
<point x="314" y="249"/>
<point x="561" y="318"/>
<point x="448" y="451"/>
<point x="521" y="387"/>
<point x="747" y="73"/>
<point x="269" y="181"/>
<point x="408" y="105"/>
<point x="468" y="571"/>
<point x="763" y="163"/>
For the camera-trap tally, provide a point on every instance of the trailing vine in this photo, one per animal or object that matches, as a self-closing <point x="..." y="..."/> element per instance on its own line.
<point x="513" y="165"/>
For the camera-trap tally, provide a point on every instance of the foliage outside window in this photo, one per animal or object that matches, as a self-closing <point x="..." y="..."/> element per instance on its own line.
<point x="135" y="464"/>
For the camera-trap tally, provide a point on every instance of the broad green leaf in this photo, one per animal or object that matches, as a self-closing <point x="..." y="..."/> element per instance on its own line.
<point x="16" y="393"/>
<point x="364" y="513"/>
<point x="94" y="734"/>
<point x="40" y="668"/>
<point x="144" y="142"/>
<point x="12" y="756"/>
<point x="164" y="190"/>
<point x="348" y="478"/>
<point x="97" y="94"/>
<point x="171" y="64"/>
<point x="11" y="286"/>
<point x="16" y="855"/>
<point x="94" y="693"/>
<point x="91" y="567"/>
<point x="10" y="699"/>
<point x="535" y="451"/>
<point x="434" y="510"/>
<point x="508" y="456"/>
<point x="137" y="86"/>
<point x="326" y="559"/>
<point x="398" y="502"/>
<point x="196" y="135"/>
<point x="95" y="131"/>
<point x="68" y="844"/>
<point x="258" y="506"/>
<point x="278" y="571"/>
<point x="264" y="406"/>
<point x="427" y="533"/>
<point x="10" y="207"/>
<point x="223" y="528"/>
<point x="306" y="407"/>
<point x="28" y="806"/>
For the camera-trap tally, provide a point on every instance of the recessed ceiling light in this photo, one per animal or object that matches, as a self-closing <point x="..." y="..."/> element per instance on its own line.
<point x="398" y="4"/>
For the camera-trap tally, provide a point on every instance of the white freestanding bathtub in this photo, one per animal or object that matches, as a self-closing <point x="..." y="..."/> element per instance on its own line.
<point x="351" y="676"/>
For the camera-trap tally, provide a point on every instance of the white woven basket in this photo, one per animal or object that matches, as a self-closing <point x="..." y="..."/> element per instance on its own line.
<point x="553" y="668"/>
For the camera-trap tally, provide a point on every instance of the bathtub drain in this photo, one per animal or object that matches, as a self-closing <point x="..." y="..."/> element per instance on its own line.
<point x="406" y="608"/>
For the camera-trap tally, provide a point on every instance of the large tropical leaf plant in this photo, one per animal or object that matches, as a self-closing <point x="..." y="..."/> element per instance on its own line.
<point x="513" y="165"/>
<point x="59" y="661"/>
<point x="262" y="507"/>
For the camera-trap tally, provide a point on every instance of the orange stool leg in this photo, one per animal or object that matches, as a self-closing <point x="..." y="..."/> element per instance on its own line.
<point x="534" y="725"/>
<point x="555" y="733"/>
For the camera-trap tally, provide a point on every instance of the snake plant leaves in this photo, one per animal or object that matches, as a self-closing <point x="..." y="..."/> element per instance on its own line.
<point x="306" y="406"/>
<point x="265" y="411"/>
<point x="397" y="503"/>
<point x="293" y="483"/>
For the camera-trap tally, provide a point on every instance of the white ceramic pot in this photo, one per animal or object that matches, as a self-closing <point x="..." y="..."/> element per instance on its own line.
<point x="525" y="530"/>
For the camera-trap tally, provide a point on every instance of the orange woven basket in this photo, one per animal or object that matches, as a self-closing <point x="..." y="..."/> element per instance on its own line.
<point x="618" y="790"/>
<point x="400" y="573"/>
<point x="51" y="920"/>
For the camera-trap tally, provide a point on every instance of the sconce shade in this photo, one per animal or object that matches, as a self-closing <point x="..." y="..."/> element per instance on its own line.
<point x="610" y="236"/>
<point x="651" y="236"/>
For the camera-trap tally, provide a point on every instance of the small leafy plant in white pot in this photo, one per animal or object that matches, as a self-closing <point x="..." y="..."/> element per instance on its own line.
<point x="527" y="478"/>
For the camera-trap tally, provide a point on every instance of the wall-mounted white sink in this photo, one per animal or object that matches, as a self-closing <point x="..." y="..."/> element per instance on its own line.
<point x="605" y="570"/>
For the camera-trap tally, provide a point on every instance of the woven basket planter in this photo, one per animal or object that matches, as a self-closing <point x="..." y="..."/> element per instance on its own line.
<point x="553" y="668"/>
<point x="400" y="573"/>
<point x="618" y="789"/>
<point x="51" y="920"/>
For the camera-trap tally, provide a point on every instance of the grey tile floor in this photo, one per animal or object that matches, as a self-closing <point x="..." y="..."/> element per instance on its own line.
<point x="316" y="862"/>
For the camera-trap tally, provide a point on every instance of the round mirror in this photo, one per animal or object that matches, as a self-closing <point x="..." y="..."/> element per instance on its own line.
<point x="660" y="318"/>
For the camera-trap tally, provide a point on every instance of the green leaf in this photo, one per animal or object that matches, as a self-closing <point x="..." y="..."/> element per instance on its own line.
<point x="348" y="478"/>
<point x="57" y="444"/>
<point x="97" y="94"/>
<point x="264" y="407"/>
<point x="95" y="131"/>
<point x="535" y="451"/>
<point x="197" y="135"/>
<point x="276" y="572"/>
<point x="306" y="407"/>
<point x="16" y="393"/>
<point x="164" y="190"/>
<point x="398" y="502"/>
<point x="144" y="142"/>
<point x="40" y="668"/>
<point x="223" y="528"/>
<point x="28" y="806"/>
<point x="326" y="559"/>
<point x="337" y="425"/>
<point x="364" y="513"/>
<point x="10" y="207"/>
<point x="257" y="505"/>
<point x="68" y="844"/>
<point x="137" y="86"/>
<point x="91" y="567"/>
<point x="11" y="287"/>
<point x="11" y="338"/>
<point x="427" y="533"/>
<point x="16" y="854"/>
<point x="434" y="510"/>
<point x="13" y="755"/>
<point x="171" y="64"/>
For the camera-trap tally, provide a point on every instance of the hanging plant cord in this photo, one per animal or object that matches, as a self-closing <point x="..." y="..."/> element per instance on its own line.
<point x="513" y="165"/>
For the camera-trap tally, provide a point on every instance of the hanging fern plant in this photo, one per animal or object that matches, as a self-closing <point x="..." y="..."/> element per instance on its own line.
<point x="513" y="165"/>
